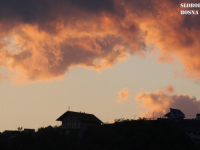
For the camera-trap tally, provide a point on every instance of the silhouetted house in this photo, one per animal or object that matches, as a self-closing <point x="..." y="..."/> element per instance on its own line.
<point x="29" y="131"/>
<point x="10" y="133"/>
<point x="198" y="116"/>
<point x="175" y="114"/>
<point x="75" y="121"/>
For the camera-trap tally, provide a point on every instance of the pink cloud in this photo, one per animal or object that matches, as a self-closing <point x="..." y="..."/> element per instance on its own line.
<point x="123" y="95"/>
<point x="3" y="77"/>
<point x="169" y="89"/>
<point x="159" y="103"/>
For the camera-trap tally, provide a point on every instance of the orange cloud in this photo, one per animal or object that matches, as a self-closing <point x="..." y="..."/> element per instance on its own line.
<point x="159" y="103"/>
<point x="3" y="77"/>
<point x="97" y="41"/>
<point x="169" y="89"/>
<point x="123" y="95"/>
<point x="41" y="40"/>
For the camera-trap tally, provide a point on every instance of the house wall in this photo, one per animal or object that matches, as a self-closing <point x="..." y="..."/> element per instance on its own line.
<point x="198" y="117"/>
<point x="70" y="122"/>
<point x="172" y="115"/>
<point x="85" y="125"/>
<point x="29" y="131"/>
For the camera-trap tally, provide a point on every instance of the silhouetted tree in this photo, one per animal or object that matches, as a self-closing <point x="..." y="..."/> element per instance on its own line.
<point x="20" y="128"/>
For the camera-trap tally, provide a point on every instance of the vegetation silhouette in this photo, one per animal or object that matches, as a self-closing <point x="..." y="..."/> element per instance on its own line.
<point x="123" y="134"/>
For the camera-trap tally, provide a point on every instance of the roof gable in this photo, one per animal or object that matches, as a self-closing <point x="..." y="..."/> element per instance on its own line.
<point x="177" y="112"/>
<point x="168" y="114"/>
<point x="80" y="116"/>
<point x="198" y="115"/>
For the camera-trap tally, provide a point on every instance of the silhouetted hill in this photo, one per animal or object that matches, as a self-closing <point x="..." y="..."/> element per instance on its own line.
<point x="125" y="135"/>
<point x="138" y="135"/>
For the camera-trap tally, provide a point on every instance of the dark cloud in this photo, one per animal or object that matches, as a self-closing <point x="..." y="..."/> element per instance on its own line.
<point x="44" y="12"/>
<point x="95" y="6"/>
<point x="142" y="7"/>
<point x="51" y="36"/>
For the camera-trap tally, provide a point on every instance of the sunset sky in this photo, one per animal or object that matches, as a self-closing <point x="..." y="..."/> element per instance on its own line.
<point x="111" y="58"/>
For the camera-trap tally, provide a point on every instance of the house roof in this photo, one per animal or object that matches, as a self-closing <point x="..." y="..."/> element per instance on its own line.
<point x="80" y="116"/>
<point x="177" y="112"/>
<point x="168" y="114"/>
<point x="198" y="115"/>
<point x="10" y="132"/>
<point x="29" y="130"/>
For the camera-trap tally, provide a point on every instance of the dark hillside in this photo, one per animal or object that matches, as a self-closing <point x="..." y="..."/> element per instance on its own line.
<point x="138" y="135"/>
<point x="125" y="135"/>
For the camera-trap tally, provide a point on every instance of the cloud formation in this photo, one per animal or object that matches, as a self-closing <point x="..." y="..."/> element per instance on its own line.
<point x="159" y="103"/>
<point x="42" y="39"/>
<point x="3" y="77"/>
<point x="123" y="95"/>
<point x="169" y="89"/>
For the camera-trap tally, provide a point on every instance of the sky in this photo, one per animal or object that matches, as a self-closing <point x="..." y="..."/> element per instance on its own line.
<point x="111" y="58"/>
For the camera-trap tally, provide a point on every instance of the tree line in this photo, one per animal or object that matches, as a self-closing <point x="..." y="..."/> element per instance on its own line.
<point x="121" y="135"/>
